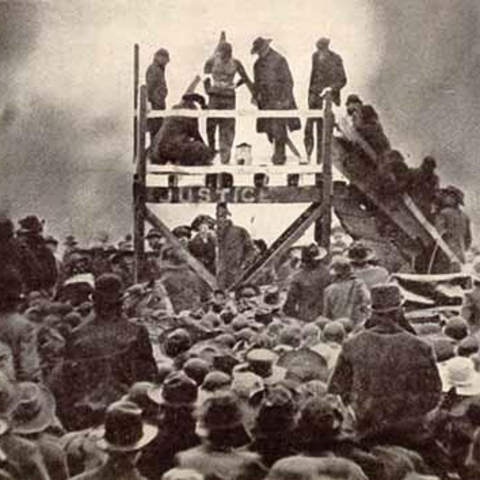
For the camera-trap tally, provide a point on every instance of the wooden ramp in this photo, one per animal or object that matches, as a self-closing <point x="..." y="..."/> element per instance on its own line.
<point x="395" y="217"/>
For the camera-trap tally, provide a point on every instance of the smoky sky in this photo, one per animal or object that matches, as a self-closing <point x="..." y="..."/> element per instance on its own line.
<point x="72" y="168"/>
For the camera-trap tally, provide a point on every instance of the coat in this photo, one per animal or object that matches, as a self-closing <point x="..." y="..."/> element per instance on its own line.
<point x="104" y="357"/>
<point x="305" y="295"/>
<point x="21" y="336"/>
<point x="347" y="299"/>
<point x="227" y="465"/>
<point x="157" y="90"/>
<point x="389" y="377"/>
<point x="454" y="226"/>
<point x="327" y="72"/>
<point x="239" y="252"/>
<point x="273" y="84"/>
<point x="114" y="469"/>
<point x="204" y="250"/>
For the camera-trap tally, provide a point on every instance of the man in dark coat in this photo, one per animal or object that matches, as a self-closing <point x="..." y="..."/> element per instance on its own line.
<point x="157" y="90"/>
<point x="386" y="374"/>
<point x="424" y="186"/>
<point x="203" y="245"/>
<point x="273" y="84"/>
<point x="30" y="233"/>
<point x="104" y="357"/>
<point x="327" y="72"/>
<point x="179" y="140"/>
<point x="237" y="248"/>
<point x="305" y="295"/>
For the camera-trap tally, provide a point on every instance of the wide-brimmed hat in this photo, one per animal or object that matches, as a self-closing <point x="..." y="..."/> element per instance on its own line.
<point x="386" y="298"/>
<point x="124" y="429"/>
<point x="313" y="252"/>
<point x="201" y="219"/>
<point x="259" y="44"/>
<point x="177" y="391"/>
<point x="31" y="224"/>
<point x="35" y="409"/>
<point x="359" y="253"/>
<point x="460" y="374"/>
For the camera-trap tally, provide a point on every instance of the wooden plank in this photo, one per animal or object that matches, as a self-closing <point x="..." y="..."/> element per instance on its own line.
<point x="195" y="194"/>
<point x="136" y="80"/>
<point x="235" y="169"/>
<point x="139" y="192"/>
<point x="181" y="112"/>
<point x="291" y="235"/>
<point x="192" y="262"/>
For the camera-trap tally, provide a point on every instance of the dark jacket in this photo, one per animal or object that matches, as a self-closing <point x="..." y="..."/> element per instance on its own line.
<point x="389" y="377"/>
<point x="114" y="469"/>
<point x="157" y="90"/>
<point x="274" y="89"/>
<point x="225" y="465"/>
<point x="327" y="72"/>
<point x="104" y="357"/>
<point x="204" y="250"/>
<point x="305" y="295"/>
<point x="239" y="252"/>
<point x="21" y="336"/>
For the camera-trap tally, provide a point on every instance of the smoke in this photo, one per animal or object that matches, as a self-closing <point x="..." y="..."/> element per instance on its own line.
<point x="427" y="85"/>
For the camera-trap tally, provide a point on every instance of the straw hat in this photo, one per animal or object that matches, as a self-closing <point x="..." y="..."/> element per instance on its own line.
<point x="460" y="374"/>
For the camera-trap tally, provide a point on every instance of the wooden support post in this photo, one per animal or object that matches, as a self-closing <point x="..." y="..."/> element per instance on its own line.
<point x="221" y="251"/>
<point x="328" y="123"/>
<point x="140" y="185"/>
<point x="292" y="234"/>
<point x="192" y="262"/>
<point x="136" y="80"/>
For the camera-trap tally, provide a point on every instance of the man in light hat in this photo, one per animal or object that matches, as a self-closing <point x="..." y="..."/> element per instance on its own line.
<point x="305" y="295"/>
<point x="179" y="140"/>
<point x="273" y="84"/>
<point x="327" y="72"/>
<point x="387" y="375"/>
<point x="123" y="436"/>
<point x="157" y="90"/>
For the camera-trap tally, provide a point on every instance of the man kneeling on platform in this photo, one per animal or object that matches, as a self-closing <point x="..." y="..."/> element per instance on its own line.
<point x="179" y="140"/>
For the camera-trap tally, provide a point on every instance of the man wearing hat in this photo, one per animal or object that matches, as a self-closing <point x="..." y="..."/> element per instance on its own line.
<point x="157" y="90"/>
<point x="305" y="295"/>
<point x="387" y="375"/>
<point x="103" y="358"/>
<point x="453" y="223"/>
<point x="221" y="70"/>
<point x="179" y="140"/>
<point x="424" y="186"/>
<point x="362" y="257"/>
<point x="123" y="436"/>
<point x="203" y="245"/>
<point x="273" y="87"/>
<point x="327" y="72"/>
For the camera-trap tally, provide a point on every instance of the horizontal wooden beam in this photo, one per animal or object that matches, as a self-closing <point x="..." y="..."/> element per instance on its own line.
<point x="235" y="169"/>
<point x="307" y="194"/>
<point x="234" y="113"/>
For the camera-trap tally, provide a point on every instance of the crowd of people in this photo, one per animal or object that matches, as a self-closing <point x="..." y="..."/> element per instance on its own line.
<point x="314" y="372"/>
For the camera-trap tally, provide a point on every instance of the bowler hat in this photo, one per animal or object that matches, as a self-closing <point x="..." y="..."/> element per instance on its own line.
<point x="196" y="369"/>
<point x="386" y="298"/>
<point x="216" y="380"/>
<point x="35" y="409"/>
<point x="456" y="328"/>
<point x="31" y="224"/>
<point x="177" y="391"/>
<point x="124" y="430"/>
<point x="259" y="44"/>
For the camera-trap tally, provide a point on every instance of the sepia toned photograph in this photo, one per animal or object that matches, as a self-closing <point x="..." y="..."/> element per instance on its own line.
<point x="238" y="240"/>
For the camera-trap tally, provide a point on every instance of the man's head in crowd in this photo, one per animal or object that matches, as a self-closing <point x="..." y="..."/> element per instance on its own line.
<point x="312" y="255"/>
<point x="162" y="57"/>
<point x="353" y="104"/>
<point x="108" y="293"/>
<point x="261" y="46"/>
<point x="225" y="51"/>
<point x="387" y="302"/>
<point x="155" y="239"/>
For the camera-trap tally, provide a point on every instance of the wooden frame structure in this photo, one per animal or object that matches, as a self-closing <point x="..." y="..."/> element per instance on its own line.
<point x="318" y="195"/>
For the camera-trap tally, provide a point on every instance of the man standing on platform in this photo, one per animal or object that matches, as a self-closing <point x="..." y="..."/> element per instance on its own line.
<point x="157" y="90"/>
<point x="327" y="72"/>
<point x="221" y="69"/>
<point x="273" y="84"/>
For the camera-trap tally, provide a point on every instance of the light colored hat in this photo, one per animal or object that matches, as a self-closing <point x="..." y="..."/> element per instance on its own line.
<point x="459" y="373"/>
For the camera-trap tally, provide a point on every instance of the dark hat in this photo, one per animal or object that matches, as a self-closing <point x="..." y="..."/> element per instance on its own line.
<point x="444" y="349"/>
<point x="124" y="430"/>
<point x="456" y="328"/>
<point x="108" y="289"/>
<point x="386" y="298"/>
<point x="467" y="347"/>
<point x="154" y="233"/>
<point x="138" y="394"/>
<point x="201" y="219"/>
<point x="334" y="332"/>
<point x="176" y="342"/>
<point x="220" y="412"/>
<point x="353" y="98"/>
<point x="195" y="98"/>
<point x="342" y="267"/>
<point x="35" y="409"/>
<point x="291" y="336"/>
<point x="318" y="417"/>
<point x="183" y="231"/>
<point x="313" y="253"/>
<point x="259" y="44"/>
<point x="277" y="411"/>
<point x="50" y="239"/>
<point x="456" y="192"/>
<point x="178" y="391"/>
<point x="216" y="380"/>
<point x="196" y="369"/>
<point x="359" y="253"/>
<point x="304" y="365"/>
<point x="272" y="298"/>
<point x="31" y="224"/>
